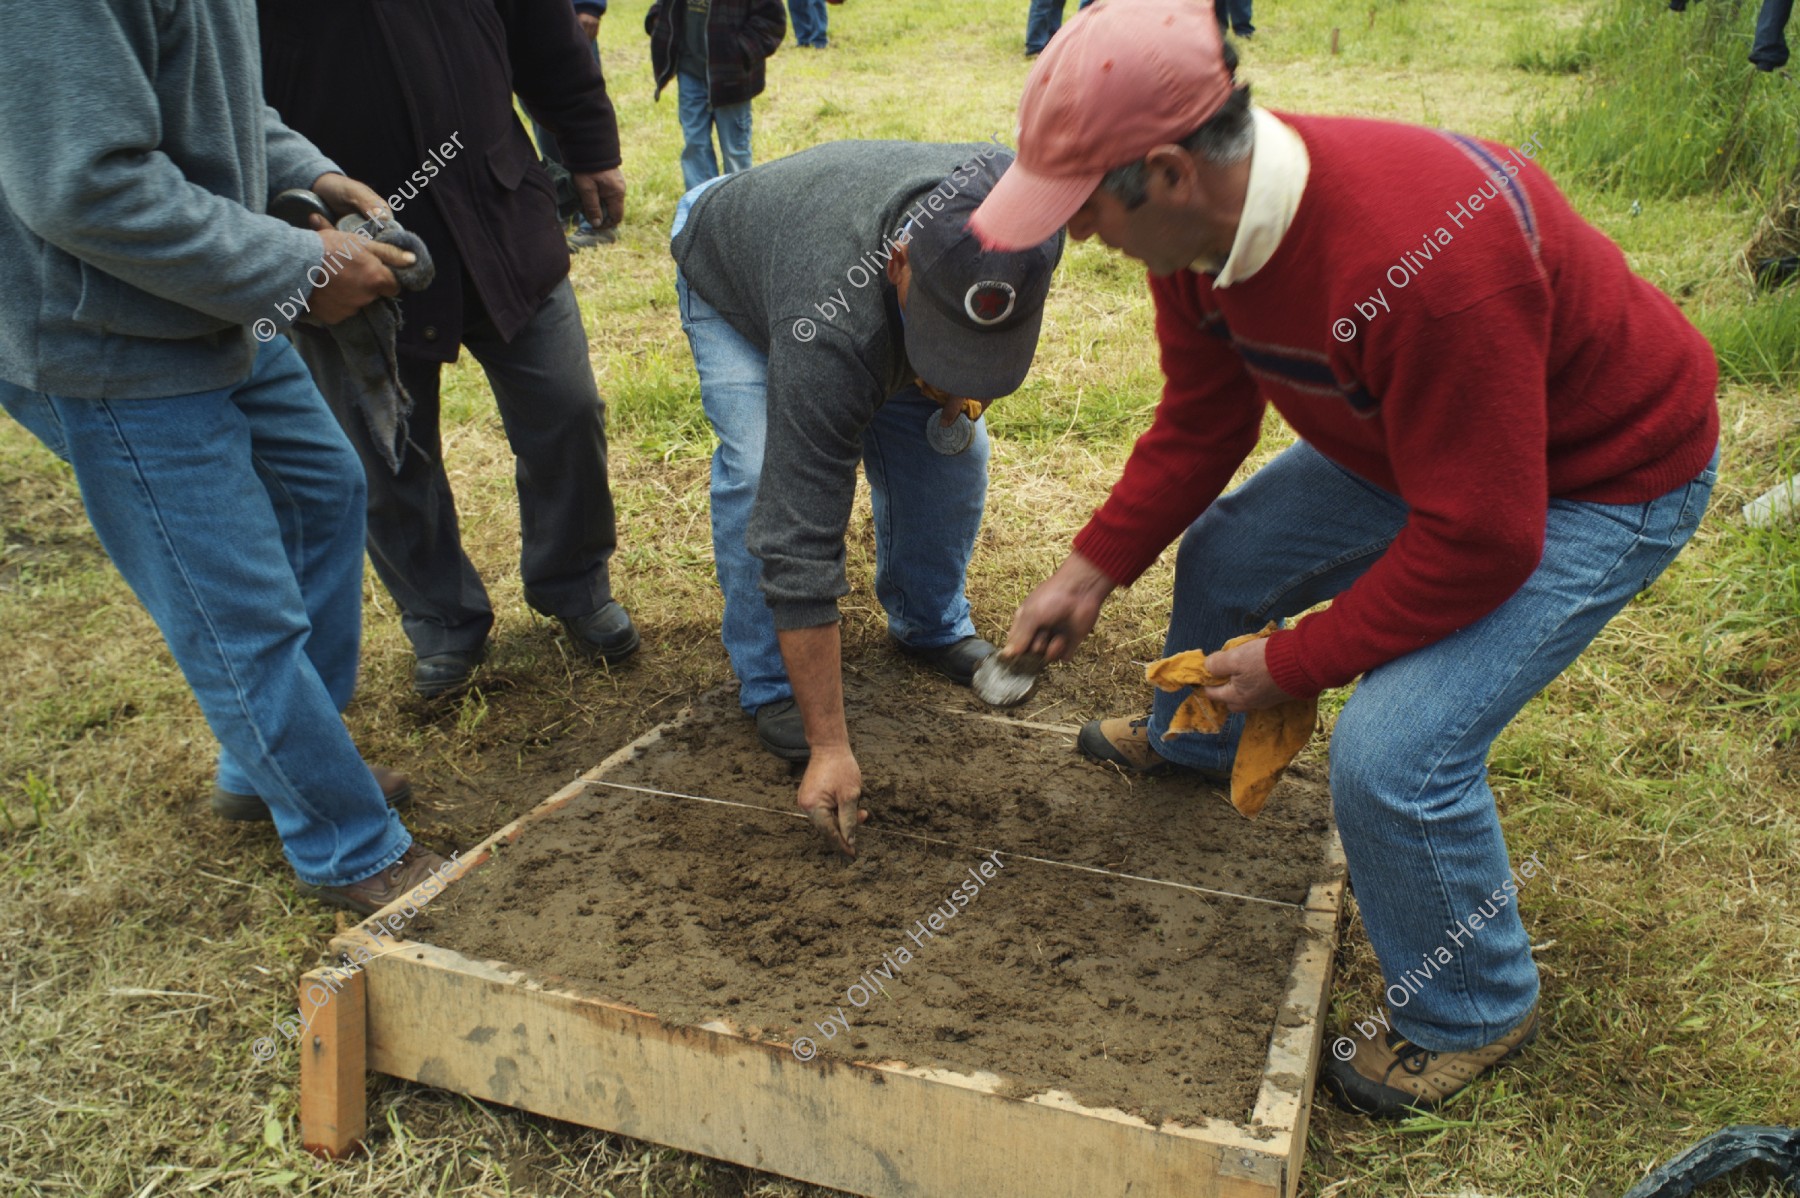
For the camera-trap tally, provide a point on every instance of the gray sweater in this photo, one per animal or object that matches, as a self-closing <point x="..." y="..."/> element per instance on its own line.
<point x="136" y="157"/>
<point x="793" y="254"/>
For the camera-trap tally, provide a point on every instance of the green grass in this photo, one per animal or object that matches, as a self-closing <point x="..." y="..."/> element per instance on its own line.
<point x="1659" y="777"/>
<point x="1668" y="106"/>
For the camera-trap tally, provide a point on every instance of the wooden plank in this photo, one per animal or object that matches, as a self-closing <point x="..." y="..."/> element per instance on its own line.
<point x="885" y="1130"/>
<point x="1284" y="1101"/>
<point x="333" y="1060"/>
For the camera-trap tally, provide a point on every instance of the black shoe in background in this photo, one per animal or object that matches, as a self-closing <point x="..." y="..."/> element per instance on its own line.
<point x="441" y="674"/>
<point x="606" y="633"/>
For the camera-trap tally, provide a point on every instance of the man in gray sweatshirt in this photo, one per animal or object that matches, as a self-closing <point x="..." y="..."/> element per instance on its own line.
<point x="838" y="312"/>
<point x="141" y="292"/>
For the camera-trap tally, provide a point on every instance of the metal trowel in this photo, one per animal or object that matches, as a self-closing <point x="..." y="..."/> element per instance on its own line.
<point x="1003" y="681"/>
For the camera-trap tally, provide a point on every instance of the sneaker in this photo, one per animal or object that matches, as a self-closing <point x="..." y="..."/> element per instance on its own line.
<point x="415" y="867"/>
<point x="1126" y="743"/>
<point x="396" y="788"/>
<point x="782" y="731"/>
<point x="588" y="238"/>
<point x="441" y="674"/>
<point x="1391" y="1077"/>
<point x="606" y="633"/>
<point x="956" y="661"/>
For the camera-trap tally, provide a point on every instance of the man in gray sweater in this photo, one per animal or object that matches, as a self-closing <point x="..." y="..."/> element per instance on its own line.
<point x="838" y="312"/>
<point x="141" y="293"/>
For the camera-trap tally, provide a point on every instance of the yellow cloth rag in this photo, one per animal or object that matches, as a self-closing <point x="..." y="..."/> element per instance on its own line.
<point x="1272" y="737"/>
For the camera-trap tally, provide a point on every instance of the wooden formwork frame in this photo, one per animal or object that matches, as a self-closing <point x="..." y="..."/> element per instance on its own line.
<point x="883" y="1129"/>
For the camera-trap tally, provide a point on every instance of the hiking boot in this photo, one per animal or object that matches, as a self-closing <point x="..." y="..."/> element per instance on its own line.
<point x="956" y="661"/>
<point x="396" y="788"/>
<point x="606" y="633"/>
<point x="416" y="866"/>
<point x="782" y="731"/>
<point x="1126" y="743"/>
<point x="449" y="673"/>
<point x="1391" y="1077"/>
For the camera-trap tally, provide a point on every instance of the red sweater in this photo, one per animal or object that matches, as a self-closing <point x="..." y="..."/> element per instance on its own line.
<point x="1502" y="355"/>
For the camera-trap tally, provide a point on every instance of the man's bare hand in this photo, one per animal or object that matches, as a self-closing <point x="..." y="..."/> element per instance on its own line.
<point x="359" y="272"/>
<point x="1058" y="615"/>
<point x="602" y="196"/>
<point x="828" y="795"/>
<point x="344" y="195"/>
<point x="1249" y="686"/>
<point x="590" y="24"/>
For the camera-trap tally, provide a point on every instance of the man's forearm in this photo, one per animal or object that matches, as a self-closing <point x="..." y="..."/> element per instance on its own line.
<point x="814" y="660"/>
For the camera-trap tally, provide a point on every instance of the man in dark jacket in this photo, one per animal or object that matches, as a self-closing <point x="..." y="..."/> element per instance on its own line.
<point x="411" y="81"/>
<point x="715" y="49"/>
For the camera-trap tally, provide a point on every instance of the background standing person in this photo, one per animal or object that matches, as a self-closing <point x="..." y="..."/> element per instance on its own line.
<point x="412" y="78"/>
<point x="1770" y="49"/>
<point x="836" y="305"/>
<point x="1504" y="435"/>
<point x="584" y="234"/>
<point x="810" y="22"/>
<point x="1234" y="15"/>
<point x="1042" y="22"/>
<point x="135" y="263"/>
<point x="715" y="49"/>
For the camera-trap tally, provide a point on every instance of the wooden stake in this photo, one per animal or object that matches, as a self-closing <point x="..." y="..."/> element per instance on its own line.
<point x="1371" y="16"/>
<point x="333" y="1059"/>
<point x="1334" y="37"/>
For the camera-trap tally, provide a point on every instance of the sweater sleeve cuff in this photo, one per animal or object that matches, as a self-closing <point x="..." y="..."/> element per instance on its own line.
<point x="1282" y="658"/>
<point x="1114" y="557"/>
<point x="808" y="613"/>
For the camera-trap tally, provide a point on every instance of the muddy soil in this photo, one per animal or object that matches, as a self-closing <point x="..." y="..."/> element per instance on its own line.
<point x="941" y="944"/>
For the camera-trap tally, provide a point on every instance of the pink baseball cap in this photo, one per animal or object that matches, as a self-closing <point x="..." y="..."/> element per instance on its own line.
<point x="1121" y="78"/>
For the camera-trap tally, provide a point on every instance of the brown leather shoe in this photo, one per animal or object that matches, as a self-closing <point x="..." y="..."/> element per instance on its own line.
<point x="1390" y="1077"/>
<point x="396" y="788"/>
<point x="415" y="867"/>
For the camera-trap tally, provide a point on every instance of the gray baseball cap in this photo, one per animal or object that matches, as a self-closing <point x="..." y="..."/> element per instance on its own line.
<point x="973" y="315"/>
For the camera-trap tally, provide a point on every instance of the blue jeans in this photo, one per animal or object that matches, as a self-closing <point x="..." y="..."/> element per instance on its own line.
<point x="1409" y="752"/>
<point x="809" y="20"/>
<point x="1770" y="52"/>
<point x="698" y="119"/>
<point x="236" y="516"/>
<point x="1235" y="15"/>
<point x="1044" y="19"/>
<point x="927" y="506"/>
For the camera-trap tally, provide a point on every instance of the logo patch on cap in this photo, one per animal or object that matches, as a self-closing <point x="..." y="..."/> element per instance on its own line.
<point x="990" y="302"/>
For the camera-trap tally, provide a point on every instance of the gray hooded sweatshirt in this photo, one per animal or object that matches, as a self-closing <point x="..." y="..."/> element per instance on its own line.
<point x="136" y="159"/>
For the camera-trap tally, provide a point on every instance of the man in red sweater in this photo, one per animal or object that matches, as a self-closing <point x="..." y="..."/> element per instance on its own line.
<point x="1503" y="435"/>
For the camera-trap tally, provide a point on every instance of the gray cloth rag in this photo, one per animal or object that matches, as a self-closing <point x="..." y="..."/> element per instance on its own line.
<point x="355" y="359"/>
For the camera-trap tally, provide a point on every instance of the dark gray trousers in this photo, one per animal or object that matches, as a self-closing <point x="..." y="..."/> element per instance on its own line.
<point x="555" y="422"/>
